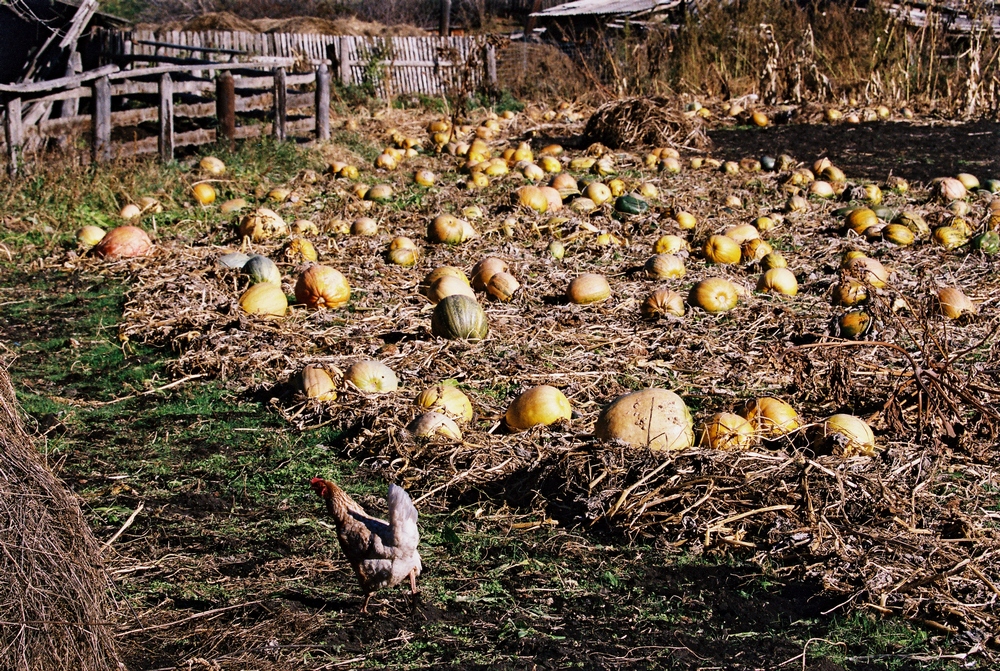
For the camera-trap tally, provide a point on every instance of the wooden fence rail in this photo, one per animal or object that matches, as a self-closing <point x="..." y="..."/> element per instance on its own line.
<point x="264" y="86"/>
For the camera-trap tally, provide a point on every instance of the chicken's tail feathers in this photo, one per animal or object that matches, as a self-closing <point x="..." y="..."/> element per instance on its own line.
<point x="402" y="518"/>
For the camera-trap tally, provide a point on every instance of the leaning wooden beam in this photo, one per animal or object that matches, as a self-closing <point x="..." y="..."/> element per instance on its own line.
<point x="62" y="82"/>
<point x="166" y="143"/>
<point x="14" y="133"/>
<point x="101" y="120"/>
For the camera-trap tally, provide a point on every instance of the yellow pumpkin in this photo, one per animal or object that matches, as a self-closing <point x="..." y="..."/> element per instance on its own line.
<point x="542" y="405"/>
<point x="264" y="299"/>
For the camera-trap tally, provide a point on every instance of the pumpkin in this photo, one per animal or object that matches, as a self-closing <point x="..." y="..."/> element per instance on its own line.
<point x="263" y="224"/>
<point x="583" y="206"/>
<point x="565" y="184"/>
<point x="322" y="287"/>
<point x="459" y="317"/>
<point x="854" y="323"/>
<point x="722" y="249"/>
<point x="914" y="222"/>
<point x="553" y="197"/>
<point x="773" y="260"/>
<point x="685" y="220"/>
<point x="727" y="431"/>
<point x="502" y="287"/>
<point x="88" y="236"/>
<point x="949" y="237"/>
<point x="234" y="205"/>
<point x="380" y="193"/>
<point x="265" y="299"/>
<point x="670" y="244"/>
<point x="130" y="211"/>
<point x="538" y="406"/>
<point x="949" y="189"/>
<point x="262" y="269"/>
<point x="631" y="204"/>
<point x="450" y="230"/>
<point x="433" y="425"/>
<point x="754" y="251"/>
<point x="371" y="376"/>
<point x="868" y="270"/>
<point x="898" y="234"/>
<point x="533" y="198"/>
<point x="954" y="303"/>
<point x="441" y="271"/>
<point x="364" y="226"/>
<point x="714" y="294"/>
<point x="314" y="382"/>
<point x="485" y="269"/>
<point x="662" y="302"/>
<point x="424" y="178"/>
<point x="403" y="256"/>
<point x="770" y="417"/>
<point x="847" y="436"/>
<point x="212" y="166"/>
<point x="778" y="280"/>
<point x="447" y="400"/>
<point x="204" y="193"/>
<point x="656" y="419"/>
<point x="279" y="194"/>
<point x="849" y="292"/>
<point x="557" y="250"/>
<point x="987" y="243"/>
<point x="123" y="242"/>
<point x="448" y="285"/>
<point x="588" y="288"/>
<point x="597" y="192"/>
<point x="742" y="233"/>
<point x="664" y="266"/>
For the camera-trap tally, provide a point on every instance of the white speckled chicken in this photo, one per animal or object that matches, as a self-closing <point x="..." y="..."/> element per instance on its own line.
<point x="383" y="554"/>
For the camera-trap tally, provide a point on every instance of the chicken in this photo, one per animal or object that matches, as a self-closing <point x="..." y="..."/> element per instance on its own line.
<point x="383" y="554"/>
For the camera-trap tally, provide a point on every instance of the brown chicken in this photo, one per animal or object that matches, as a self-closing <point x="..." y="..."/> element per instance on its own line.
<point x="383" y="554"/>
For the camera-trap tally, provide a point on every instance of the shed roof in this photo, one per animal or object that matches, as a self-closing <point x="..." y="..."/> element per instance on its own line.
<point x="603" y="7"/>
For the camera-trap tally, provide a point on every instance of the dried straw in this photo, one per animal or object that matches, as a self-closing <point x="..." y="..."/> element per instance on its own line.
<point x="53" y="598"/>
<point x="630" y="122"/>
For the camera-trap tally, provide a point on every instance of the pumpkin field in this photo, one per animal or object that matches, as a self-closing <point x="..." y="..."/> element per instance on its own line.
<point x="670" y="385"/>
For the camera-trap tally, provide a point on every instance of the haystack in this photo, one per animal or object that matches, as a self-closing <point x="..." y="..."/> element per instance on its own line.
<point x="53" y="595"/>
<point x="631" y="122"/>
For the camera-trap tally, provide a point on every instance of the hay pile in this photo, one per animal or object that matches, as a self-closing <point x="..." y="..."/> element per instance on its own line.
<point x="630" y="122"/>
<point x="53" y="595"/>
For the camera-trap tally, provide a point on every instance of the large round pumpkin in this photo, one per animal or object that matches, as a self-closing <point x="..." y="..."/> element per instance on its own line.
<point x="371" y="376"/>
<point x="446" y="399"/>
<point x="588" y="288"/>
<point x="459" y="317"/>
<point x="124" y="242"/>
<point x="315" y="382"/>
<point x="264" y="299"/>
<point x="541" y="405"/>
<point x="262" y="269"/>
<point x="263" y="224"/>
<point x="322" y="287"/>
<point x="653" y="418"/>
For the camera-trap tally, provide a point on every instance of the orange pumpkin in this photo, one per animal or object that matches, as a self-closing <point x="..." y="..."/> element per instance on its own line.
<point x="322" y="287"/>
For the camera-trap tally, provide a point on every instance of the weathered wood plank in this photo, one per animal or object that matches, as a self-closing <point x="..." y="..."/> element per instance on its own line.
<point x="14" y="134"/>
<point x="280" y="104"/>
<point x="166" y="143"/>
<point x="101" y="124"/>
<point x="225" y="106"/>
<point x="323" y="102"/>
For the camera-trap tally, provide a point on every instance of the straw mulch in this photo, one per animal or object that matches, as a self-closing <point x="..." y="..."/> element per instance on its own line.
<point x="908" y="531"/>
<point x="54" y="592"/>
<point x="631" y="122"/>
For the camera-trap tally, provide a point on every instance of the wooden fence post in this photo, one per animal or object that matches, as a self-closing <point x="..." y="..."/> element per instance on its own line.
<point x="491" y="65"/>
<point x="225" y="107"/>
<point x="280" y="104"/>
<point x="322" y="102"/>
<point x="445" y="27"/>
<point x="14" y="133"/>
<point x="345" y="64"/>
<point x="166" y="144"/>
<point x="100" y="120"/>
<point x="74" y="66"/>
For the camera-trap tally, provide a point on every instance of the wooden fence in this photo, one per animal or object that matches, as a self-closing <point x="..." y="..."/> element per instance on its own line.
<point x="386" y="66"/>
<point x="263" y="85"/>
